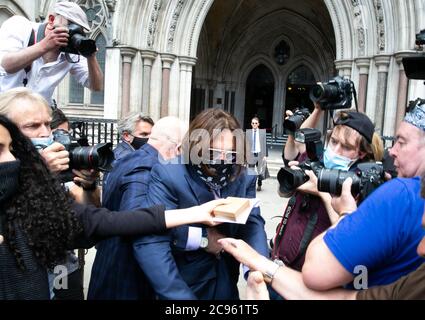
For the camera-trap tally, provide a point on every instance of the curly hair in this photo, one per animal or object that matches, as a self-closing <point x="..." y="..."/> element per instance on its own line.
<point x="41" y="208"/>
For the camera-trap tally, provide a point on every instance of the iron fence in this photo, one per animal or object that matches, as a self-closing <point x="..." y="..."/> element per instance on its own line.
<point x="95" y="130"/>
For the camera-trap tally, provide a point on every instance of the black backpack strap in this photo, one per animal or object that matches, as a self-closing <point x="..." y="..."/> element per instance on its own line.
<point x="308" y="234"/>
<point x="31" y="42"/>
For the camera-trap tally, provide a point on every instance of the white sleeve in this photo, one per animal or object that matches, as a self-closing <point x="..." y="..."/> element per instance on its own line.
<point x="80" y="72"/>
<point x="15" y="33"/>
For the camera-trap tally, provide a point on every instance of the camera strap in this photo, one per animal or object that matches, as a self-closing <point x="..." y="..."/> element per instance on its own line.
<point x="33" y="40"/>
<point x="282" y="227"/>
<point x="308" y="231"/>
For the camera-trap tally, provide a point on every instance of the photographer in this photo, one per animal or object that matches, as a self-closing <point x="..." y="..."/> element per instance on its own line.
<point x="309" y="212"/>
<point x="83" y="188"/>
<point x="383" y="233"/>
<point x="30" y="53"/>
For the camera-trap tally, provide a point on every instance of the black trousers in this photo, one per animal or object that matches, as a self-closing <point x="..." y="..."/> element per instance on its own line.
<point x="75" y="289"/>
<point x="260" y="178"/>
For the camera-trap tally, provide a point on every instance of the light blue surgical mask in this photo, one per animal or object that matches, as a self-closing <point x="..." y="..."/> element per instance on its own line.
<point x="334" y="161"/>
<point x="42" y="143"/>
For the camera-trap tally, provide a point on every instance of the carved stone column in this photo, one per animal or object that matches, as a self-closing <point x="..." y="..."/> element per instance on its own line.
<point x="148" y="59"/>
<point x="363" y="64"/>
<point x="403" y="86"/>
<point x="127" y="58"/>
<point x="383" y="63"/>
<point x="167" y="62"/>
<point x="186" y="66"/>
<point x="344" y="67"/>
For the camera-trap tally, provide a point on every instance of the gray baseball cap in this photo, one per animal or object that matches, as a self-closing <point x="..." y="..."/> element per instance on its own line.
<point x="72" y="12"/>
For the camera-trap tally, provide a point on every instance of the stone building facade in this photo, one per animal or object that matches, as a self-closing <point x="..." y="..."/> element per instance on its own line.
<point x="250" y="57"/>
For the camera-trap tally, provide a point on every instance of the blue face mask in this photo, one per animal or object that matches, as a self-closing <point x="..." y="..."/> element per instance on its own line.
<point x="336" y="162"/>
<point x="42" y="143"/>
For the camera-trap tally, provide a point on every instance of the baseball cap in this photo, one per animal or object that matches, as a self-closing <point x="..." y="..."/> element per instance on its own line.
<point x="72" y="12"/>
<point x="416" y="114"/>
<point x="357" y="121"/>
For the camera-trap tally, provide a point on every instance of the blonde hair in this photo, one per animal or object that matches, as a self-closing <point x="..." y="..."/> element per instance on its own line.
<point x="374" y="151"/>
<point x="10" y="96"/>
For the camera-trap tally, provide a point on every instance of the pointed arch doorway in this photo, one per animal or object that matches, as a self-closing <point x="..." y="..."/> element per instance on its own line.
<point x="298" y="86"/>
<point x="259" y="100"/>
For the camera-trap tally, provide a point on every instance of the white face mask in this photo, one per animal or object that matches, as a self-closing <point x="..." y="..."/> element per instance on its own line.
<point x="42" y="143"/>
<point x="336" y="162"/>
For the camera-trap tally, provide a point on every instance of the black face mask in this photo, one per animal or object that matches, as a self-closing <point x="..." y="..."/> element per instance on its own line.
<point x="223" y="173"/>
<point x="139" y="142"/>
<point x="9" y="179"/>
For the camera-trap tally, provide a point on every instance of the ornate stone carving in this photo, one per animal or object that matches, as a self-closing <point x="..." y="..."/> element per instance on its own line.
<point x="99" y="14"/>
<point x="194" y="26"/>
<point x="379" y="12"/>
<point x="111" y="5"/>
<point x="173" y="25"/>
<point x="153" y="22"/>
<point x="359" y="26"/>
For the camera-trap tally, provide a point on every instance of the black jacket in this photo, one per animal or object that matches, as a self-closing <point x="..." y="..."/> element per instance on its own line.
<point x="98" y="223"/>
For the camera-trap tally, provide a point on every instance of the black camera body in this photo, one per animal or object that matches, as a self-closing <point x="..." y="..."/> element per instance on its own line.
<point x="366" y="178"/>
<point x="414" y="65"/>
<point x="82" y="156"/>
<point x="78" y="43"/>
<point x="289" y="179"/>
<point x="420" y="38"/>
<point x="293" y="123"/>
<point x="336" y="94"/>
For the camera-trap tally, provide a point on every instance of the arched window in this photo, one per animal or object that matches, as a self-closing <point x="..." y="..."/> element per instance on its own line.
<point x="301" y="75"/>
<point x="98" y="97"/>
<point x="76" y="91"/>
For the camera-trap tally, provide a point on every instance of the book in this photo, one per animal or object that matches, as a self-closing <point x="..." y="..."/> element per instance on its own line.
<point x="233" y="209"/>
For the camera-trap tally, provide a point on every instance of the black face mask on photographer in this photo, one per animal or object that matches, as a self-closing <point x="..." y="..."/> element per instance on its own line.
<point x="9" y="179"/>
<point x="137" y="142"/>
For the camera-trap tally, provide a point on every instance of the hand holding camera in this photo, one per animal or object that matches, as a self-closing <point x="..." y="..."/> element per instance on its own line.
<point x="86" y="178"/>
<point x="56" y="39"/>
<point x="345" y="203"/>
<point x="56" y="157"/>
<point x="78" y="42"/>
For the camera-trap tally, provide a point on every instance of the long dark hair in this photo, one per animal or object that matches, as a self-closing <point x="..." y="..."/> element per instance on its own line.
<point x="213" y="121"/>
<point x="41" y="208"/>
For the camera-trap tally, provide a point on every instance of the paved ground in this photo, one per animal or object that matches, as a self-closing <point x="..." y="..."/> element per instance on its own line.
<point x="271" y="207"/>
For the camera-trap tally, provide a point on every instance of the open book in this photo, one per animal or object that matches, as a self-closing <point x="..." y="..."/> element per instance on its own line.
<point x="237" y="211"/>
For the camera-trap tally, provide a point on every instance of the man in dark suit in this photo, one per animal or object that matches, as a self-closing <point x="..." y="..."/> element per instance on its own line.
<point x="135" y="130"/>
<point x="202" y="273"/>
<point x="115" y="273"/>
<point x="257" y="140"/>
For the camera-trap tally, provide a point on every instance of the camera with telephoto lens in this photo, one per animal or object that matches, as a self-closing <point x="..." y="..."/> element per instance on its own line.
<point x="78" y="43"/>
<point x="366" y="178"/>
<point x="294" y="122"/>
<point x="82" y="156"/>
<point x="336" y="94"/>
<point x="414" y="65"/>
<point x="290" y="179"/>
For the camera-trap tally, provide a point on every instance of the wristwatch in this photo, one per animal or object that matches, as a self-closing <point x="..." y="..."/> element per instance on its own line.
<point x="204" y="243"/>
<point x="204" y="239"/>
<point x="269" y="274"/>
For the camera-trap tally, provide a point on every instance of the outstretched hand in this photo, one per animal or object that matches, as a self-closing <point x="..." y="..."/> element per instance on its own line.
<point x="256" y="287"/>
<point x="242" y="252"/>
<point x="206" y="212"/>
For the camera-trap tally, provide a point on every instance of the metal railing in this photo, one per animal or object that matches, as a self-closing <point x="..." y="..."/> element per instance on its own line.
<point x="95" y="130"/>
